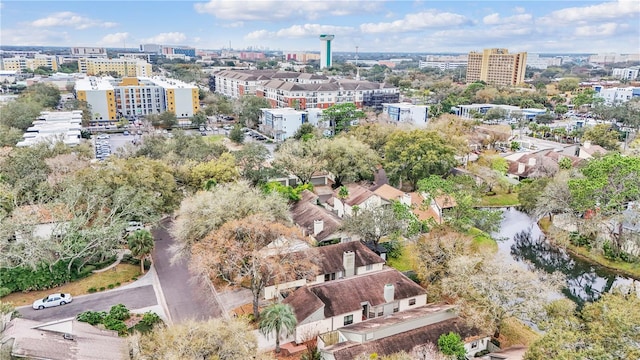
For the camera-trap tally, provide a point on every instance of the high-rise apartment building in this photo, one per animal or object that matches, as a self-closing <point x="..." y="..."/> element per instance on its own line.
<point x="497" y="67"/>
<point x="326" y="59"/>
<point x="137" y="96"/>
<point x="120" y="67"/>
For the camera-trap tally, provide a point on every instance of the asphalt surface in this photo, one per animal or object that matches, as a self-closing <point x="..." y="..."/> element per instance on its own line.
<point x="135" y="298"/>
<point x="185" y="297"/>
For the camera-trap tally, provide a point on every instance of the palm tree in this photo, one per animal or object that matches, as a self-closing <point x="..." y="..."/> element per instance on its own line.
<point x="141" y="244"/>
<point x="278" y="317"/>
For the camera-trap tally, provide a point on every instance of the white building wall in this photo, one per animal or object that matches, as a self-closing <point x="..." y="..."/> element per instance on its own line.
<point x="98" y="101"/>
<point x="184" y="102"/>
<point x="420" y="301"/>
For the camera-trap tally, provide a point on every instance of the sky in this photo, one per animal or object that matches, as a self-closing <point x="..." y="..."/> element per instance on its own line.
<point x="537" y="26"/>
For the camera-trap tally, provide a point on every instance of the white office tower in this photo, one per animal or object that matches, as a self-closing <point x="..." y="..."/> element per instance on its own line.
<point x="325" y="51"/>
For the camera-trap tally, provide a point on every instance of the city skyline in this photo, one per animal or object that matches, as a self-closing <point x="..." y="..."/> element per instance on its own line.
<point x="373" y="26"/>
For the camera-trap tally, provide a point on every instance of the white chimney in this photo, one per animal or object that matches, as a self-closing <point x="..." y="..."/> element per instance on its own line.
<point x="520" y="168"/>
<point x="532" y="161"/>
<point x="349" y="263"/>
<point x="406" y="199"/>
<point x="318" y="226"/>
<point x="389" y="291"/>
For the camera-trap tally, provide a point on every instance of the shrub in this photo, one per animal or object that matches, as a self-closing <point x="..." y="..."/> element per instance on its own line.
<point x="150" y="318"/>
<point x="92" y="317"/>
<point x="112" y="323"/>
<point x="394" y="248"/>
<point x="134" y="278"/>
<point x="119" y="312"/>
<point x="102" y="288"/>
<point x="110" y="286"/>
<point x="4" y="291"/>
<point x="92" y="290"/>
<point x="117" y="284"/>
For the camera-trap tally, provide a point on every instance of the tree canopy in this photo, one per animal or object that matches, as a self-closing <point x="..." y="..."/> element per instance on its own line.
<point x="341" y="116"/>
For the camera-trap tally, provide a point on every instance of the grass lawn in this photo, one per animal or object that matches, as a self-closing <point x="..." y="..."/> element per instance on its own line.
<point x="405" y="262"/>
<point x="122" y="273"/>
<point x="212" y="139"/>
<point x="513" y="332"/>
<point x="482" y="241"/>
<point x="500" y="200"/>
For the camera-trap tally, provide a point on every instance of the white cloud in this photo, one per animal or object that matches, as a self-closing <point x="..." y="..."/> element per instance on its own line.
<point x="70" y="19"/>
<point x="274" y="10"/>
<point x="519" y="10"/>
<point x="604" y="11"/>
<point x="299" y="31"/>
<point x="41" y="37"/>
<point x="606" y="29"/>
<point x="418" y="21"/>
<point x="116" y="39"/>
<point x="235" y="24"/>
<point x="495" y="19"/>
<point x="170" y="38"/>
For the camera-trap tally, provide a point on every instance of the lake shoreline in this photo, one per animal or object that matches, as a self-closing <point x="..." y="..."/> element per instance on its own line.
<point x="544" y="227"/>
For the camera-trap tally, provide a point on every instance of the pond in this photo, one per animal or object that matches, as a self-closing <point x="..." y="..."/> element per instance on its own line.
<point x="522" y="240"/>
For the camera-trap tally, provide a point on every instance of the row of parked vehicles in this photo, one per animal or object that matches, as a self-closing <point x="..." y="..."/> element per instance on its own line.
<point x="254" y="134"/>
<point x="103" y="148"/>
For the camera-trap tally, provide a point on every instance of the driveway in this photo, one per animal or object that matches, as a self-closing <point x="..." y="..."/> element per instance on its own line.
<point x="132" y="298"/>
<point x="185" y="297"/>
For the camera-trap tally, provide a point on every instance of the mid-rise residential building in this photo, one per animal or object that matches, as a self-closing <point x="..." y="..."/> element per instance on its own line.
<point x="236" y="83"/>
<point x="407" y="113"/>
<point x="79" y="52"/>
<point x="62" y="126"/>
<point x="617" y="95"/>
<point x="122" y="67"/>
<point x="469" y="111"/>
<point x="131" y="97"/>
<point x="497" y="67"/>
<point x="302" y="57"/>
<point x="283" y="123"/>
<point x="20" y="63"/>
<point x="444" y="62"/>
<point x="323" y="95"/>
<point x="168" y="50"/>
<point x="630" y="73"/>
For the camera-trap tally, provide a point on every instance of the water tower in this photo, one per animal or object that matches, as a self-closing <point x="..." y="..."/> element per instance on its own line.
<point x="325" y="51"/>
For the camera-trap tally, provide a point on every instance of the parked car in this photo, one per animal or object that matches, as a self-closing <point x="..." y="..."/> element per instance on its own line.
<point x="52" y="300"/>
<point x="125" y="132"/>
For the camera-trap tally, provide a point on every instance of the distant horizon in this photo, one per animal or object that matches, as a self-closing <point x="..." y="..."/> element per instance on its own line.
<point x="136" y="49"/>
<point x="380" y="26"/>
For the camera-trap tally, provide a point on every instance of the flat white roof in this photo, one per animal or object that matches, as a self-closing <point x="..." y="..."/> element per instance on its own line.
<point x="93" y="83"/>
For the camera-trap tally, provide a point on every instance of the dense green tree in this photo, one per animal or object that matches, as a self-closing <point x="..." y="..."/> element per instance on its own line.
<point x="20" y="114"/>
<point x="236" y="134"/>
<point x="414" y="155"/>
<point x="349" y="160"/>
<point x="141" y="244"/>
<point x="9" y="136"/>
<point x="546" y="118"/>
<point x="341" y="116"/>
<point x="568" y="84"/>
<point x="75" y="104"/>
<point x="251" y="159"/>
<point x="280" y="319"/>
<point x="251" y="109"/>
<point x="608" y="184"/>
<point x="46" y="95"/>
<point x="496" y="114"/>
<point x="301" y="158"/>
<point x="305" y="131"/>
<point x="452" y="344"/>
<point x="374" y="224"/>
<point x="374" y="135"/>
<point x="584" y="97"/>
<point x="605" y="329"/>
<point x="529" y="193"/>
<point x="603" y="135"/>
<point x="199" y="118"/>
<point x="221" y="170"/>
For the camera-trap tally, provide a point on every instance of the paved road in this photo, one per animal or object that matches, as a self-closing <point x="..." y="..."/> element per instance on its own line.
<point x="135" y="298"/>
<point x="185" y="297"/>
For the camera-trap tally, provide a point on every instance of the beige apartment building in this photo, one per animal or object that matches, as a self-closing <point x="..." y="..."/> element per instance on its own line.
<point x="19" y="63"/>
<point x="497" y="67"/>
<point x="123" y="67"/>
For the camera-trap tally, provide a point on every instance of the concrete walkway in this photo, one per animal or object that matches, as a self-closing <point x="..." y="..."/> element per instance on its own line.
<point x="119" y="257"/>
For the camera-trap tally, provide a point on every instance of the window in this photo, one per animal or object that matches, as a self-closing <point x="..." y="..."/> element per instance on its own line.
<point x="474" y="344"/>
<point x="412" y="302"/>
<point x="369" y="267"/>
<point x="348" y="320"/>
<point x="396" y="307"/>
